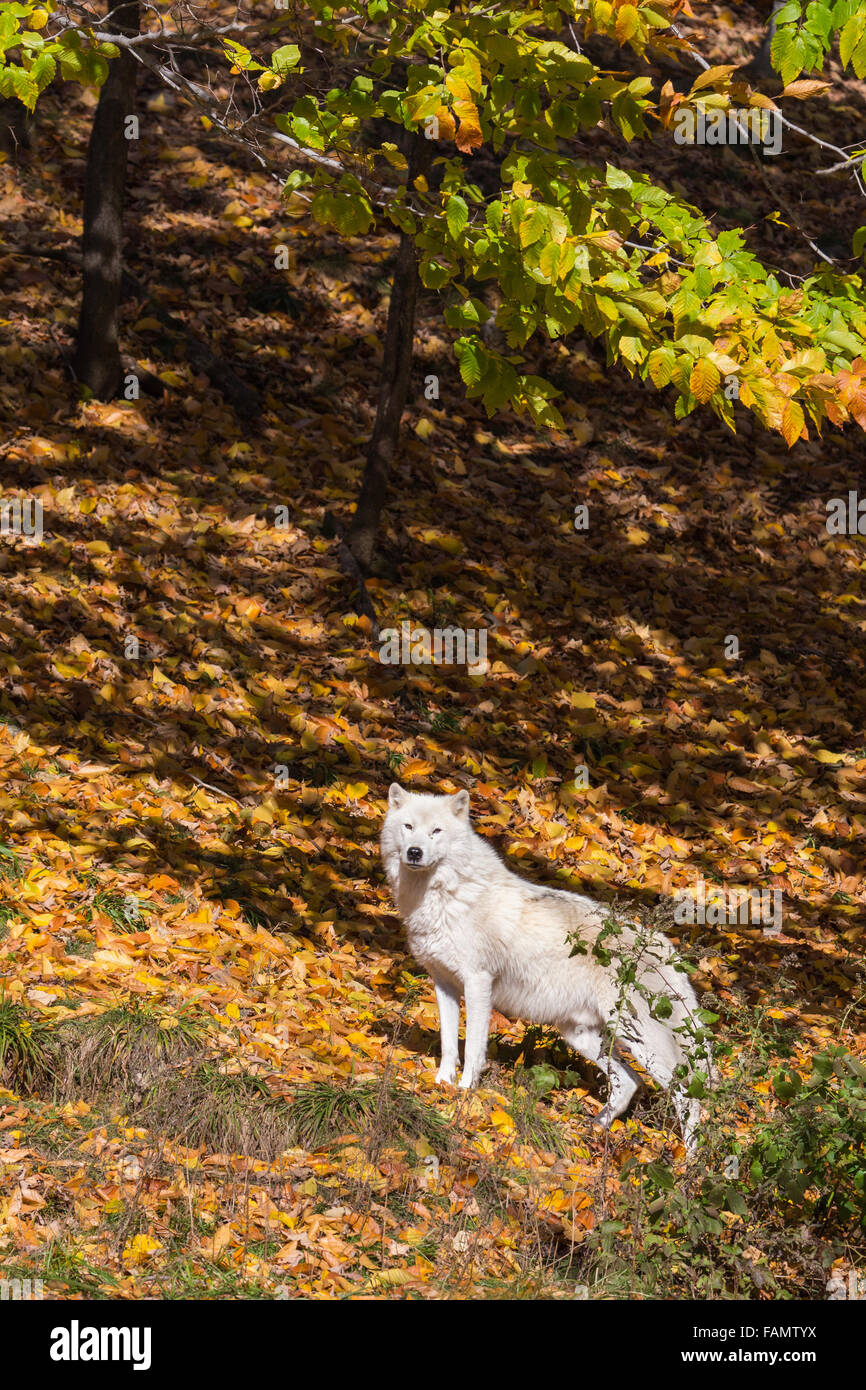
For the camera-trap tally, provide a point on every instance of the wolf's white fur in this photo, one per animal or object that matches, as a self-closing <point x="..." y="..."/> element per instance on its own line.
<point x="483" y="932"/>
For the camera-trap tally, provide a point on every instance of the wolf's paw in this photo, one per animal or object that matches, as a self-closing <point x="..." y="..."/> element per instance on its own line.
<point x="467" y="1082"/>
<point x="446" y="1076"/>
<point x="605" y="1118"/>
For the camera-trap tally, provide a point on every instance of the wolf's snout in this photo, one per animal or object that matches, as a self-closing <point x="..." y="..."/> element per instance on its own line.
<point x="414" y="854"/>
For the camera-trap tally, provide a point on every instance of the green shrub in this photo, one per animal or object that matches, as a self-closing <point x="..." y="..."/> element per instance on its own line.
<point x="812" y="1151"/>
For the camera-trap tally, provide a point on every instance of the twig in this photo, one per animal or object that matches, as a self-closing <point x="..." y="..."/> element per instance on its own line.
<point x="218" y="790"/>
<point x="63" y="353"/>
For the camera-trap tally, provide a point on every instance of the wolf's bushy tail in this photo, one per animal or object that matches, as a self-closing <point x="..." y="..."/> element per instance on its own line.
<point x="661" y="1027"/>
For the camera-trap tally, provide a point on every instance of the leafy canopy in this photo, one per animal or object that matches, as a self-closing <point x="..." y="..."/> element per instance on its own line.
<point x="571" y="246"/>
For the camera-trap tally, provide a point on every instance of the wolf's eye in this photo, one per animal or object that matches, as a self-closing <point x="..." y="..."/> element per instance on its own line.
<point x="437" y="830"/>
<point x="407" y="827"/>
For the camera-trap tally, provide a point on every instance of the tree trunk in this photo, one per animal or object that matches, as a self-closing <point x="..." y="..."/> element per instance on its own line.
<point x="15" y="122"/>
<point x="394" y="387"/>
<point x="97" y="358"/>
<point x="761" y="65"/>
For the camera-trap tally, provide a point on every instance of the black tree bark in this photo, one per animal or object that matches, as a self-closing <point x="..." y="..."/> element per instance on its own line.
<point x="97" y="357"/>
<point x="15" y="122"/>
<point x="761" y="65"/>
<point x="394" y="386"/>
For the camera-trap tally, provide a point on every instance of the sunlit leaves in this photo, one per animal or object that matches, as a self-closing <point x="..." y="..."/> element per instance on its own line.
<point x="805" y="34"/>
<point x="568" y="245"/>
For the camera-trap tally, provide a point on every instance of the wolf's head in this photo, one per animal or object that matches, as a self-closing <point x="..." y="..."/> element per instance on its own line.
<point x="421" y="830"/>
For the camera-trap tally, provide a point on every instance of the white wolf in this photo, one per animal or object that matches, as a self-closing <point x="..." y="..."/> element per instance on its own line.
<point x="483" y="932"/>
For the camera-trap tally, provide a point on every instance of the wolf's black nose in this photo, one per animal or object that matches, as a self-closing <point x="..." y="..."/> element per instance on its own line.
<point x="414" y="855"/>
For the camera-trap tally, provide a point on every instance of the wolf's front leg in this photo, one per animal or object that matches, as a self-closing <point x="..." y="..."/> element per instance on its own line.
<point x="478" y="990"/>
<point x="448" y="1002"/>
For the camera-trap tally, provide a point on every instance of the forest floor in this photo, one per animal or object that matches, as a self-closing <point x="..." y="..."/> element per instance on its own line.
<point x="220" y="1074"/>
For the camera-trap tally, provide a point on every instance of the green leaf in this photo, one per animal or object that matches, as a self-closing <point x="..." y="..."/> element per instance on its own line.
<point x="858" y="58"/>
<point x="456" y="214"/>
<point x="850" y="37"/>
<point x="533" y="226"/>
<point x="43" y="70"/>
<point x="548" y="261"/>
<point x="735" y="1202"/>
<point x="285" y="58"/>
<point x="661" y="366"/>
<point x="617" y="178"/>
<point x="662" y="1177"/>
<point x="24" y="87"/>
<point x="469" y="357"/>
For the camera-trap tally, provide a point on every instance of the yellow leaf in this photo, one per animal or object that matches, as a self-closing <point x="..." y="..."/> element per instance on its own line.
<point x="139" y="1249"/>
<point x="392" y="1277"/>
<point x="704" y="379"/>
<point x="793" y="422"/>
<point x="459" y="87"/>
<point x="712" y="77"/>
<point x="469" y="135"/>
<point x="222" y="1237"/>
<point x="72" y="670"/>
<point x="446" y="122"/>
<point x="627" y="23"/>
<point x="355" y="790"/>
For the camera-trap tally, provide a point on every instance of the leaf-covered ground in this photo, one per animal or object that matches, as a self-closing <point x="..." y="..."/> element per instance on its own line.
<point x="160" y="874"/>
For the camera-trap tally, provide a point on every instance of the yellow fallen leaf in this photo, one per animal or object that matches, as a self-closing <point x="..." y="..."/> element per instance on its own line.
<point x="392" y="1277"/>
<point x="139" y="1249"/>
<point x="222" y="1237"/>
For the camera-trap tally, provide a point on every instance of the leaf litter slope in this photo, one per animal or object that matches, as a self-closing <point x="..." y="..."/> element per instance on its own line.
<point x="234" y="925"/>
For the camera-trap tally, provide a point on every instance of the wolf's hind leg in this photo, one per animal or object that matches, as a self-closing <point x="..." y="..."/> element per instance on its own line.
<point x="623" y="1082"/>
<point x="657" y="1051"/>
<point x="689" y="1114"/>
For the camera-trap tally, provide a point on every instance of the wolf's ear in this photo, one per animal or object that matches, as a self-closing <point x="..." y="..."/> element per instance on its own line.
<point x="396" y="794"/>
<point x="460" y="805"/>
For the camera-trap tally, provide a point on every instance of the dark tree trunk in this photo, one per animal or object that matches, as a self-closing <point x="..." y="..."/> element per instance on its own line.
<point x="761" y="65"/>
<point x="15" y="122"/>
<point x="394" y="387"/>
<point x="97" y="357"/>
